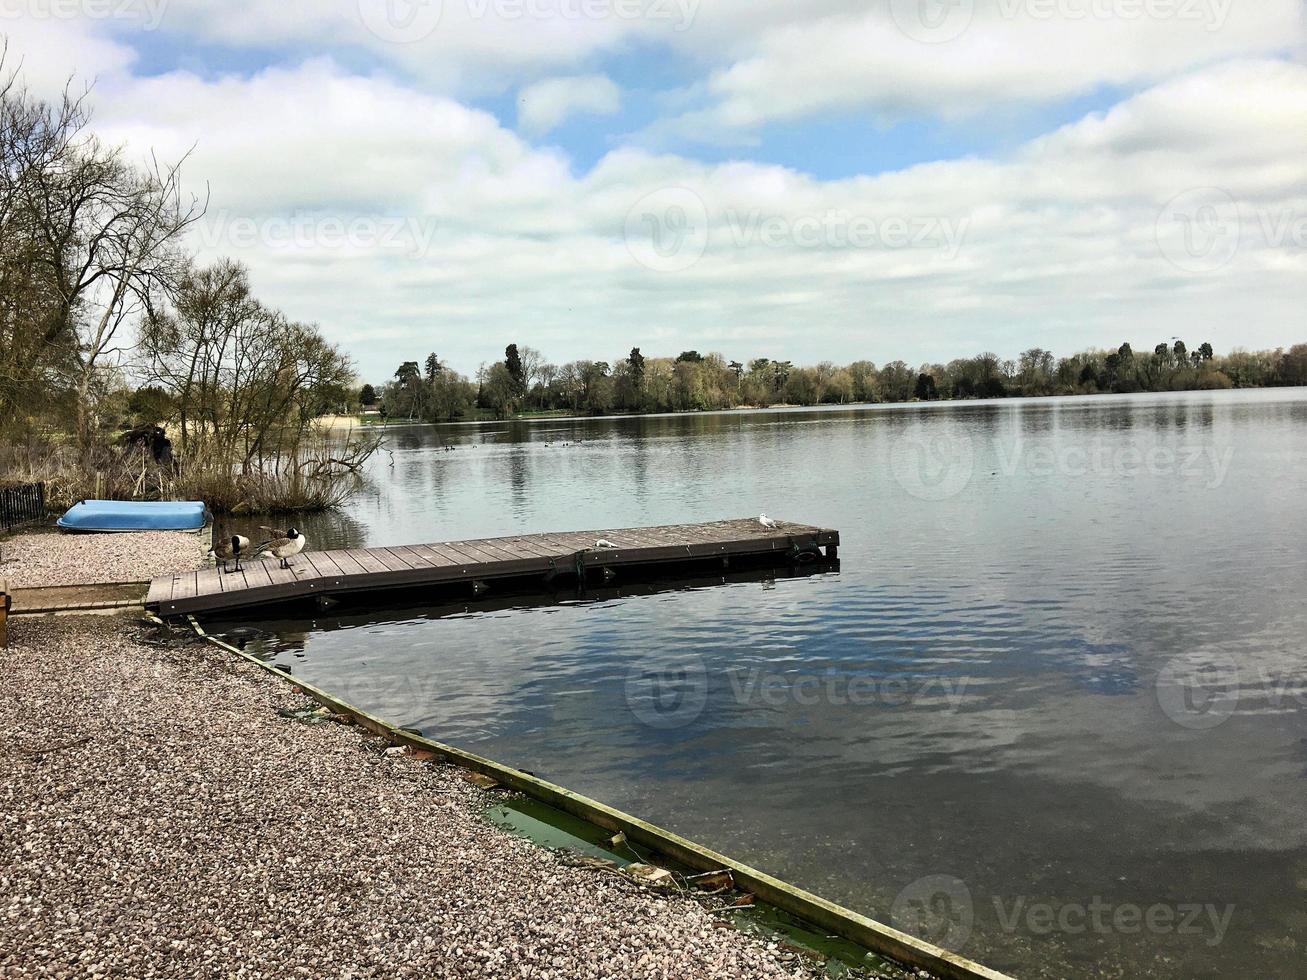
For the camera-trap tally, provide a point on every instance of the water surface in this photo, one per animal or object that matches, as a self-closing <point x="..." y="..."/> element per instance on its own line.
<point x="1049" y="711"/>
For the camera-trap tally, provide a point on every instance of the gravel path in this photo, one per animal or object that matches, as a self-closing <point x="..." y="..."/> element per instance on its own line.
<point x="44" y="558"/>
<point x="158" y="817"/>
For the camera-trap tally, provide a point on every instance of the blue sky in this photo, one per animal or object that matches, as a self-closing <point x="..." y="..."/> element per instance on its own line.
<point x="822" y="180"/>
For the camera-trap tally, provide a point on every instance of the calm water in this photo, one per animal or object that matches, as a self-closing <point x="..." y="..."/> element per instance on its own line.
<point x="1050" y="711"/>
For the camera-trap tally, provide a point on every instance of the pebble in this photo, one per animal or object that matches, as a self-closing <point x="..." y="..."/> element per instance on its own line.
<point x="198" y="833"/>
<point x="46" y="558"/>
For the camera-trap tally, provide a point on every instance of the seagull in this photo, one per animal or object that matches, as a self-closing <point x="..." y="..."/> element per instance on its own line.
<point x="284" y="548"/>
<point x="604" y="543"/>
<point x="766" y="521"/>
<point x="230" y="550"/>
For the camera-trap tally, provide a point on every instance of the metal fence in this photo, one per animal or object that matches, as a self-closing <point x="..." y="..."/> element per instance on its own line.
<point x="21" y="504"/>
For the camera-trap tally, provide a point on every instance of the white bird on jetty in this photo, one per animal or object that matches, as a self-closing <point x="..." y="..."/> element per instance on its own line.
<point x="229" y="550"/>
<point x="284" y="548"/>
<point x="766" y="521"/>
<point x="604" y="543"/>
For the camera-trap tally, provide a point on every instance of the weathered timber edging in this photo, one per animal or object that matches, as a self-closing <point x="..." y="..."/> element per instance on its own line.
<point x="98" y="597"/>
<point x="839" y="921"/>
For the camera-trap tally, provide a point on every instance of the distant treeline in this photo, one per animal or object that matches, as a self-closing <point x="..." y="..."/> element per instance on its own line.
<point x="525" y="382"/>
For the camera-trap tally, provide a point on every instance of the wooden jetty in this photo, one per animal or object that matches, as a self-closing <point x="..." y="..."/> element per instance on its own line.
<point x="482" y="560"/>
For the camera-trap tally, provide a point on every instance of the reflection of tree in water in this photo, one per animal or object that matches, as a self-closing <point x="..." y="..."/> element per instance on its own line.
<point x="333" y="529"/>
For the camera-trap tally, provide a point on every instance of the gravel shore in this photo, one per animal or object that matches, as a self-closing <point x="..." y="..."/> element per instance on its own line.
<point x="158" y="817"/>
<point x="44" y="558"/>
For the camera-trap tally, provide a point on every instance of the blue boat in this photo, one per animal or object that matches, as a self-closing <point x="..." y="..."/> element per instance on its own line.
<point x="134" y="515"/>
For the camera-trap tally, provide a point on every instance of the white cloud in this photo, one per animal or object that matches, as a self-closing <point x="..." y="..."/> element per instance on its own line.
<point x="404" y="221"/>
<point x="460" y="47"/>
<point x="50" y="52"/>
<point x="775" y="60"/>
<point x="979" y="55"/>
<point x="542" y="106"/>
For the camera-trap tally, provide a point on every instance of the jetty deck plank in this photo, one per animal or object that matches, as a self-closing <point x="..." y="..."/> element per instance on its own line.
<point x="477" y="559"/>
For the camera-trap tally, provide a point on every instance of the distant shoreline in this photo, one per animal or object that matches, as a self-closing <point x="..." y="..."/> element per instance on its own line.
<point x="350" y="421"/>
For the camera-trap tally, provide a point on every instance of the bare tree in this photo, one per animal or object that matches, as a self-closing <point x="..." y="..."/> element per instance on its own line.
<point x="88" y="243"/>
<point x="248" y="383"/>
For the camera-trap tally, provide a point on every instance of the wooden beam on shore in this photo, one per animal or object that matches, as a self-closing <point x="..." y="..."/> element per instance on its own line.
<point x="837" y="920"/>
<point x="6" y="601"/>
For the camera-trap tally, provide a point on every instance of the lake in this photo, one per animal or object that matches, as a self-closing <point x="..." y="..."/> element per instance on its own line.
<point x="1049" y="711"/>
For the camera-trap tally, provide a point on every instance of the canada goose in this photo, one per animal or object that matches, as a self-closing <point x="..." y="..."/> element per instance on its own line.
<point x="766" y="521"/>
<point x="285" y="547"/>
<point x="230" y="549"/>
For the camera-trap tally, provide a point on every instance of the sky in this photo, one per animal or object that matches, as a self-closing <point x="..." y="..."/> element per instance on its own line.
<point x="801" y="179"/>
